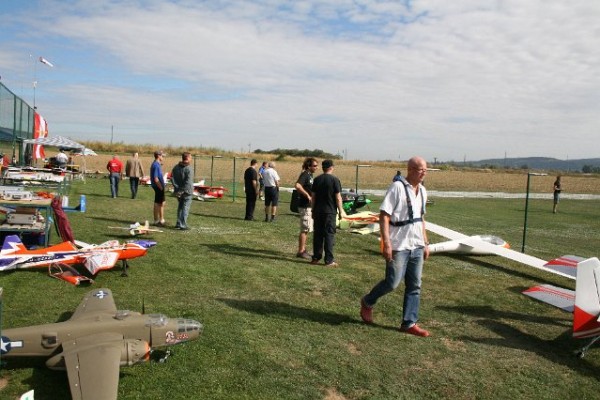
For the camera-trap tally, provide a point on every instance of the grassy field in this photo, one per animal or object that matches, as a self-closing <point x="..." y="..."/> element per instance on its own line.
<point x="279" y="328"/>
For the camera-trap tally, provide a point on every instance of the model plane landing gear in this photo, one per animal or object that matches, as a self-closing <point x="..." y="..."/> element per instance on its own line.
<point x="161" y="356"/>
<point x="584" y="349"/>
<point x="125" y="266"/>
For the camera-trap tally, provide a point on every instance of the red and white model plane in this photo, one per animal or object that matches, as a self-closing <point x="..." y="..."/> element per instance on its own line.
<point x="203" y="192"/>
<point x="584" y="302"/>
<point x="14" y="255"/>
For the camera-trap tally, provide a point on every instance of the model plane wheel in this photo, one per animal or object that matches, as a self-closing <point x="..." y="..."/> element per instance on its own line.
<point x="168" y="354"/>
<point x="132" y="232"/>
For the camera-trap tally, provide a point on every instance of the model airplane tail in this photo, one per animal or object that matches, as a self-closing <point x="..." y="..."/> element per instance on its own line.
<point x="587" y="299"/>
<point x="584" y="302"/>
<point x="12" y="244"/>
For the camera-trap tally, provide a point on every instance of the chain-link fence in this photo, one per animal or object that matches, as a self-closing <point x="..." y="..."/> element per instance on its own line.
<point x="16" y="122"/>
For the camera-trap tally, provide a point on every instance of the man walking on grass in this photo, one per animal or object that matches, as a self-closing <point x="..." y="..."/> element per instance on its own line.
<point x="404" y="246"/>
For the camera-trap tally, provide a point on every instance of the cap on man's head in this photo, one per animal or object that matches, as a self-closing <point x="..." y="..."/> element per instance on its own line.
<point x="158" y="153"/>
<point x="326" y="164"/>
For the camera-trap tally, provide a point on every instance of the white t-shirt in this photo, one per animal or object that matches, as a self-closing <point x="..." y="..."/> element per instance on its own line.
<point x="62" y="158"/>
<point x="410" y="236"/>
<point x="270" y="177"/>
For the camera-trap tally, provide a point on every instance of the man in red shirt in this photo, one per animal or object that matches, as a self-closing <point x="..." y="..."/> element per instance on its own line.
<point x="115" y="174"/>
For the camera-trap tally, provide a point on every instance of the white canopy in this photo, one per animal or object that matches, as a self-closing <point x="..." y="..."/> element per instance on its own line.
<point x="62" y="143"/>
<point x="55" y="141"/>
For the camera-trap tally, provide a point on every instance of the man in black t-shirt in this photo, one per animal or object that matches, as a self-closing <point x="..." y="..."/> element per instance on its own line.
<point x="304" y="189"/>
<point x="251" y="187"/>
<point x="326" y="202"/>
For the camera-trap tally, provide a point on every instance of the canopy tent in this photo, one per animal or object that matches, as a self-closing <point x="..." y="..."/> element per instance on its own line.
<point x="61" y="142"/>
<point x="55" y="141"/>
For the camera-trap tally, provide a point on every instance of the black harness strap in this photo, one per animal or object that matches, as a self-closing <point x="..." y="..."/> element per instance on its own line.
<point x="411" y="219"/>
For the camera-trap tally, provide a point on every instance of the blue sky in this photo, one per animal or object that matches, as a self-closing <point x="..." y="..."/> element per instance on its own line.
<point x="368" y="79"/>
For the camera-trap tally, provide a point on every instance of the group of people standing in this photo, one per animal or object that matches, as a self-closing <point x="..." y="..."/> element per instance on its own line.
<point x="182" y="177"/>
<point x="402" y="229"/>
<point x="402" y="218"/>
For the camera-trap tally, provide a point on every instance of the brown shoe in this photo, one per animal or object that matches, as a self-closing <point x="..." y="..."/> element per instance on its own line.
<point x="366" y="312"/>
<point x="314" y="261"/>
<point x="332" y="264"/>
<point x="415" y="330"/>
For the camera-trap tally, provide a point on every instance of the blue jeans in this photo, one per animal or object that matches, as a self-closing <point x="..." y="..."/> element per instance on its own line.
<point x="183" y="209"/>
<point x="407" y="264"/>
<point x="114" y="184"/>
<point x="133" y="185"/>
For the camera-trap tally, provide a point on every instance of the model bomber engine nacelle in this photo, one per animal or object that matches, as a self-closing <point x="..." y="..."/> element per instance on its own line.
<point x="133" y="351"/>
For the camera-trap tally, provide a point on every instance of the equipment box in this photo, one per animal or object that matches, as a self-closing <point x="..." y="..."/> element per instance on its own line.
<point x="21" y="219"/>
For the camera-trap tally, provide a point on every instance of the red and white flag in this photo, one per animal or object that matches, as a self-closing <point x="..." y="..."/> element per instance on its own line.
<point x="44" y="61"/>
<point x="40" y="130"/>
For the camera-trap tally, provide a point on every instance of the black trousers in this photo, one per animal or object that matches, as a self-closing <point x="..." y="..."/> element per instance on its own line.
<point x="250" y="205"/>
<point x="324" y="237"/>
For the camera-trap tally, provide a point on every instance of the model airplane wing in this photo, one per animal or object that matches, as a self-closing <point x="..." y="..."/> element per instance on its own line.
<point x="564" y="266"/>
<point x="96" y="301"/>
<point x="100" y="260"/>
<point x="553" y="295"/>
<point x="445" y="232"/>
<point x="92" y="364"/>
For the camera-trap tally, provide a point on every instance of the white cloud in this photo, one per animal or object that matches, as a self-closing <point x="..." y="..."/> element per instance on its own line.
<point x="383" y="80"/>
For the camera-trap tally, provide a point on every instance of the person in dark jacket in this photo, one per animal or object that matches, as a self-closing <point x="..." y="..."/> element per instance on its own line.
<point x="182" y="178"/>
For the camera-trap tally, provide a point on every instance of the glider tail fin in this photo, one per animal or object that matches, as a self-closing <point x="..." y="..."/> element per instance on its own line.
<point x="587" y="299"/>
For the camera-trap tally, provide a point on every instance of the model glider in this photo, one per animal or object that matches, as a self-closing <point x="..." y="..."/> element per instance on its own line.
<point x="97" y="339"/>
<point x="479" y="245"/>
<point x="584" y="302"/>
<point x="14" y="255"/>
<point x="137" y="229"/>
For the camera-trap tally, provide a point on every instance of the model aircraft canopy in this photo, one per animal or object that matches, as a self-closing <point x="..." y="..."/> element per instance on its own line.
<point x="565" y="268"/>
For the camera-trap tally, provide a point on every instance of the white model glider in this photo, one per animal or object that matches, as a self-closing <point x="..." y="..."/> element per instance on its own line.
<point x="478" y="245"/>
<point x="584" y="302"/>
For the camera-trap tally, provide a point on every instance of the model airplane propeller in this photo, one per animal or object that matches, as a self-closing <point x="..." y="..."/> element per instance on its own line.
<point x="96" y="341"/>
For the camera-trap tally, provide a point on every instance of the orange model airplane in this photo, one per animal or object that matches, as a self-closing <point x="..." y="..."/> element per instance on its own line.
<point x="14" y="255"/>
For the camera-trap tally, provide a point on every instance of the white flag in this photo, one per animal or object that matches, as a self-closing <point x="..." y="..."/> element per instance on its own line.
<point x="44" y="61"/>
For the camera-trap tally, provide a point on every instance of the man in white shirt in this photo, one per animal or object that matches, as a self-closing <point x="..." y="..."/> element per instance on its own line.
<point x="271" y="180"/>
<point x="405" y="246"/>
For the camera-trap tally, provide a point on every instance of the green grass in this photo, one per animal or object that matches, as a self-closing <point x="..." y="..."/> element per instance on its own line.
<point x="279" y="328"/>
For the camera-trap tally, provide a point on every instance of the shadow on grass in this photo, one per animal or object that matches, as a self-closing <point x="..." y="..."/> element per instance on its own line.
<point x="560" y="350"/>
<point x="489" y="312"/>
<point x="482" y="263"/>
<point x="275" y="308"/>
<point x="246" y="251"/>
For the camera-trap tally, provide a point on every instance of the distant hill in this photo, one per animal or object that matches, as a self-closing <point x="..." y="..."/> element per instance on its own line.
<point x="546" y="163"/>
